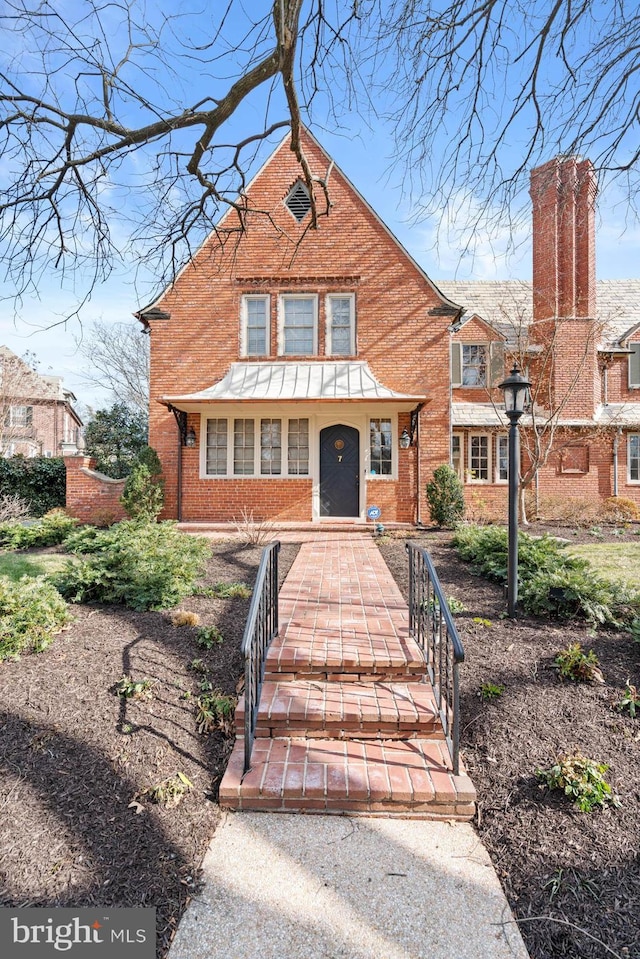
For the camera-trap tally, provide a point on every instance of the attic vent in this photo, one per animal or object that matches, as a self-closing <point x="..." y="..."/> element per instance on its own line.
<point x="298" y="202"/>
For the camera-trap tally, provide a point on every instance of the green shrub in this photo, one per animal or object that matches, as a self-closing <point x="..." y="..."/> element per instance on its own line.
<point x="40" y="481"/>
<point x="445" y="496"/>
<point x="573" y="663"/>
<point x="143" y="494"/>
<point x="31" y="612"/>
<point x="140" y="565"/>
<point x="551" y="582"/>
<point x="48" y="531"/>
<point x="582" y="780"/>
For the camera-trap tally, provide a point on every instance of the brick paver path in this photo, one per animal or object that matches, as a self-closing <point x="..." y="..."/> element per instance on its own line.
<point x="347" y="719"/>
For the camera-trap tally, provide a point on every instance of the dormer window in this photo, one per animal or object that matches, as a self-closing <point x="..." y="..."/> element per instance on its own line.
<point x="298" y="202"/>
<point x="477" y="364"/>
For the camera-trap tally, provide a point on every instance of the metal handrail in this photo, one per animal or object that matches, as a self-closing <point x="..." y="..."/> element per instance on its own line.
<point x="432" y="626"/>
<point x="261" y="628"/>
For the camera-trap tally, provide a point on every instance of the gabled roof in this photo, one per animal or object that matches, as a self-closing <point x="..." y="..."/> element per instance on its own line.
<point x="282" y="382"/>
<point x="449" y="306"/>
<point x="506" y="305"/>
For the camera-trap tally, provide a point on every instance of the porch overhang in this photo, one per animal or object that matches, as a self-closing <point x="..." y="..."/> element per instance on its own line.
<point x="288" y="382"/>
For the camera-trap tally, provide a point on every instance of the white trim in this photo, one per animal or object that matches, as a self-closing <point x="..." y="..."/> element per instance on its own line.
<point x="328" y="323"/>
<point x="286" y="297"/>
<point x="500" y="438"/>
<point x="632" y="482"/>
<point x="244" y="318"/>
<point x="470" y="477"/>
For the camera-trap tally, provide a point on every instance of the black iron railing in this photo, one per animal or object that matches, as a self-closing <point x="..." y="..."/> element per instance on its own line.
<point x="262" y="626"/>
<point x="432" y="626"/>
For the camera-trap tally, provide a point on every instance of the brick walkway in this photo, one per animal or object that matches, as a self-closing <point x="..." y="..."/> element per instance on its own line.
<point x="347" y="721"/>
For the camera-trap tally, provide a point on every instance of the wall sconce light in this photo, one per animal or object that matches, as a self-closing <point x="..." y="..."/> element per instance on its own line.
<point x="405" y="440"/>
<point x="190" y="438"/>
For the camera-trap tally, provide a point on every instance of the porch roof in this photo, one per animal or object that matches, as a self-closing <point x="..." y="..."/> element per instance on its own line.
<point x="287" y="381"/>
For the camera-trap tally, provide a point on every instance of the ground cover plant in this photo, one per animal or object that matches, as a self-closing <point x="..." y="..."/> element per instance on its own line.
<point x="142" y="565"/>
<point x="563" y="870"/>
<point x="50" y="530"/>
<point x="95" y="807"/>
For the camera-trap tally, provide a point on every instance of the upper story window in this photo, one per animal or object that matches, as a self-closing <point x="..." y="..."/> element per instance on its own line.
<point x="19" y="416"/>
<point x="255" y="325"/>
<point x="477" y="364"/>
<point x="298" y="325"/>
<point x="634" y="365"/>
<point x="341" y="333"/>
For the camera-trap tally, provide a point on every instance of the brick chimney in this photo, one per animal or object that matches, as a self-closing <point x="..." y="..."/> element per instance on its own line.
<point x="563" y="194"/>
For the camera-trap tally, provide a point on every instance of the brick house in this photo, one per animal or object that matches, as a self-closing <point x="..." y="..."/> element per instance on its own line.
<point x="36" y="412"/>
<point x="308" y="374"/>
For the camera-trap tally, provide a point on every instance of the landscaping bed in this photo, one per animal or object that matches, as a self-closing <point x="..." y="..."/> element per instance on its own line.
<point x="77" y="826"/>
<point x="572" y="878"/>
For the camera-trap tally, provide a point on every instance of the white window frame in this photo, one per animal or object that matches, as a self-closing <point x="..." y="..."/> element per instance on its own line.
<point x="244" y="321"/>
<point x="394" y="444"/>
<point x="470" y="477"/>
<point x="501" y="438"/>
<point x="458" y="438"/>
<point x="633" y="439"/>
<point x="329" y="325"/>
<point x="634" y="384"/>
<point x="282" y="299"/>
<point x="257" y="473"/>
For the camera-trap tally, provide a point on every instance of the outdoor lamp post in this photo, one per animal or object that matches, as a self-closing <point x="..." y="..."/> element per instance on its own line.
<point x="515" y="389"/>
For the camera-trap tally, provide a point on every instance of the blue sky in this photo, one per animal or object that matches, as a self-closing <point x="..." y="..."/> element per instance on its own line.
<point x="363" y="149"/>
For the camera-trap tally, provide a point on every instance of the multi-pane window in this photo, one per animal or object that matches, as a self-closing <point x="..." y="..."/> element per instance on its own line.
<point x="340" y="326"/>
<point x="216" y="447"/>
<point x="298" y="447"/>
<point x="380" y="451"/>
<point x="243" y="447"/>
<point x="474" y="365"/>
<point x="256" y="325"/>
<point x="633" y="448"/>
<point x="634" y="364"/>
<point x="456" y="454"/>
<point x="270" y="447"/>
<point x="20" y="416"/>
<point x="242" y="435"/>
<point x="479" y="457"/>
<point x="298" y="326"/>
<point x="502" y="459"/>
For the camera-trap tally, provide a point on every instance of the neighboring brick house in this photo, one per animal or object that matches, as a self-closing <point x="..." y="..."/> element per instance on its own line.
<point x="304" y="374"/>
<point x="36" y="412"/>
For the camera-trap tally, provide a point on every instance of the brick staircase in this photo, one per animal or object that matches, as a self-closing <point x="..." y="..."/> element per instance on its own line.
<point x="347" y="721"/>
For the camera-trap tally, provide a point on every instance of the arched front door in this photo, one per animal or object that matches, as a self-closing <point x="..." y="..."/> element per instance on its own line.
<point x="339" y="471"/>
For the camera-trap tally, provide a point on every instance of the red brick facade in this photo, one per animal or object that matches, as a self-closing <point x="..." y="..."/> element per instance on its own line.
<point x="91" y="496"/>
<point x="409" y="335"/>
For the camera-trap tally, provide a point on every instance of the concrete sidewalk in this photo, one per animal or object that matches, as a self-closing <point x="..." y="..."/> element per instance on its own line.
<point x="286" y="886"/>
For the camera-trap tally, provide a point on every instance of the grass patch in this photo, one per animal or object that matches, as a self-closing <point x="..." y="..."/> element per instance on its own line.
<point x="617" y="561"/>
<point x="15" y="566"/>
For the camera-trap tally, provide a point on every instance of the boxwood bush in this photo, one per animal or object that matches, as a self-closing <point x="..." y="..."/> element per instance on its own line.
<point x="551" y="582"/>
<point x="138" y="564"/>
<point x="41" y="481"/>
<point x="31" y="613"/>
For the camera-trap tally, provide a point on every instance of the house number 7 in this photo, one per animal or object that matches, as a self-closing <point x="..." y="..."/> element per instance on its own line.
<point x="340" y="458"/>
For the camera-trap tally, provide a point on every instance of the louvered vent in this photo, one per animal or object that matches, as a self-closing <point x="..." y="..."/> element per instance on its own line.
<point x="298" y="201"/>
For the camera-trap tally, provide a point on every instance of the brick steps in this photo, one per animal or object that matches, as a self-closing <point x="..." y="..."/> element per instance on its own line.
<point x="353" y="710"/>
<point x="347" y="721"/>
<point x="379" y="777"/>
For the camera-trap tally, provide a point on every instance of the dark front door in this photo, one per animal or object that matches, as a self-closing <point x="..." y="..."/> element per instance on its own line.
<point x="339" y="471"/>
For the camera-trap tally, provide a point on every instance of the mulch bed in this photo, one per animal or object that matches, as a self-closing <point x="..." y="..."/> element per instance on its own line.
<point x="76" y="828"/>
<point x="572" y="878"/>
<point x="75" y="760"/>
